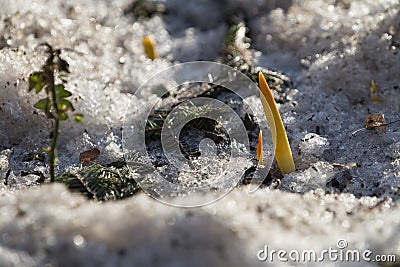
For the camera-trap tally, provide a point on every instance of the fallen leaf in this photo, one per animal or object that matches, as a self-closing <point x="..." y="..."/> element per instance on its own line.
<point x="89" y="155"/>
<point x="375" y="121"/>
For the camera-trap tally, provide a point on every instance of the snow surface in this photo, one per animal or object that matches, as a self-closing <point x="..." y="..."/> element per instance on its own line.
<point x="345" y="186"/>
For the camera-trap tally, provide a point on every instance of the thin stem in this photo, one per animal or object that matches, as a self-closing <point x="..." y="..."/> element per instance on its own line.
<point x="52" y="153"/>
<point x="390" y="123"/>
<point x="53" y="91"/>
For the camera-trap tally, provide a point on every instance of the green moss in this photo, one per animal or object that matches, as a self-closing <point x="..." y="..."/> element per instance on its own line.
<point x="102" y="182"/>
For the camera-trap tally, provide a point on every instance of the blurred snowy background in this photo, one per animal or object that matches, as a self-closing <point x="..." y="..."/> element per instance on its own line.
<point x="344" y="187"/>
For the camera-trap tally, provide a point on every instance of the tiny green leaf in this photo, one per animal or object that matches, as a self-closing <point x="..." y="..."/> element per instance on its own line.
<point x="37" y="81"/>
<point x="43" y="104"/>
<point x="33" y="80"/>
<point x="65" y="105"/>
<point x="78" y="118"/>
<point x="61" y="92"/>
<point x="63" y="116"/>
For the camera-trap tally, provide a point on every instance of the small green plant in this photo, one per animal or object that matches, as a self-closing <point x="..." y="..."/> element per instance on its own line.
<point x="103" y="183"/>
<point x="52" y="78"/>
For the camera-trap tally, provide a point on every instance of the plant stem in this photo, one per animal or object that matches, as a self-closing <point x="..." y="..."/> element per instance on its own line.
<point x="56" y="94"/>
<point x="52" y="153"/>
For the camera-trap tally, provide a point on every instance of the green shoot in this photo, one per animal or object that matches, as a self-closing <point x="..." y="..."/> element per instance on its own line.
<point x="55" y="105"/>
